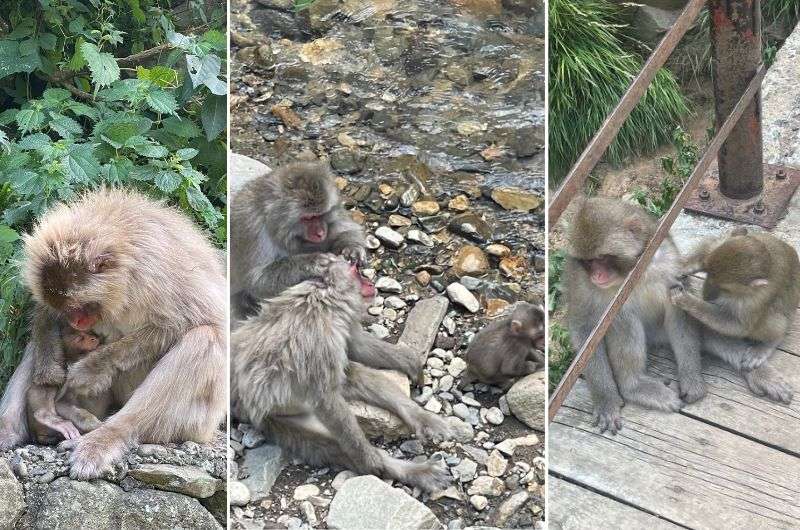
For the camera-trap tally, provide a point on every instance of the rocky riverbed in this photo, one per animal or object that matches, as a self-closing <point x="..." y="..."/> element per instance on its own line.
<point x="156" y="487"/>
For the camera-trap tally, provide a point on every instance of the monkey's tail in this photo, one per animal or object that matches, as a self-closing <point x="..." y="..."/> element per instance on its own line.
<point x="13" y="423"/>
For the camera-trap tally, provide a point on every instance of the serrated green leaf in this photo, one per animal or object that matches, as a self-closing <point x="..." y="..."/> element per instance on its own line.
<point x="151" y="150"/>
<point x="47" y="41"/>
<point x="8" y="116"/>
<point x="167" y="181"/>
<point x="102" y="65"/>
<point x="118" y="170"/>
<point x="161" y="76"/>
<point x="29" y="120"/>
<point x="34" y="141"/>
<point x="196" y="199"/>
<point x="28" y="47"/>
<point x="146" y="173"/>
<point x="24" y="28"/>
<point x="215" y="39"/>
<point x="124" y="90"/>
<point x="17" y="212"/>
<point x="8" y="234"/>
<point x="53" y="97"/>
<point x="118" y="129"/>
<point x="81" y="109"/>
<point x="13" y="61"/>
<point x="182" y="127"/>
<point x="161" y="101"/>
<point x="214" y="116"/>
<point x="187" y="153"/>
<point x="65" y="126"/>
<point x="77" y="62"/>
<point x="14" y="161"/>
<point x="80" y="163"/>
<point x="24" y="181"/>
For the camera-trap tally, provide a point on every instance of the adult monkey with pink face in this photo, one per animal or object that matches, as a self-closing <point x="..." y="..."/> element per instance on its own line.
<point x="606" y="238"/>
<point x="144" y="276"/>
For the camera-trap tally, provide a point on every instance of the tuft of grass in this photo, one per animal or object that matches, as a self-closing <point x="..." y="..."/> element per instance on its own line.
<point x="560" y="355"/>
<point x="590" y="69"/>
<point x="299" y="5"/>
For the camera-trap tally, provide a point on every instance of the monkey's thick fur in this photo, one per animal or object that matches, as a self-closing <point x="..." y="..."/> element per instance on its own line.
<point x="616" y="232"/>
<point x="292" y="377"/>
<point x="163" y="311"/>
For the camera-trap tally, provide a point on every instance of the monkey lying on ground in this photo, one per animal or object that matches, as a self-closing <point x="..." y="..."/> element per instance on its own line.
<point x="146" y="278"/>
<point x="606" y="238"/>
<point x="293" y="378"/>
<point x="48" y="417"/>
<point x="507" y="348"/>
<point x="749" y="298"/>
<point x="283" y="224"/>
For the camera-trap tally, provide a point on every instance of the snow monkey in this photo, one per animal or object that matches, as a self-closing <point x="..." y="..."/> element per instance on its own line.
<point x="51" y="419"/>
<point x="283" y="225"/>
<point x="145" y="277"/>
<point x="606" y="237"/>
<point x="748" y="302"/>
<point x="291" y="373"/>
<point x="507" y="348"/>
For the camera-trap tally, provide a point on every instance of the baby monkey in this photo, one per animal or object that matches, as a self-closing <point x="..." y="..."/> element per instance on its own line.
<point x="508" y="347"/>
<point x="749" y="298"/>
<point x="47" y="414"/>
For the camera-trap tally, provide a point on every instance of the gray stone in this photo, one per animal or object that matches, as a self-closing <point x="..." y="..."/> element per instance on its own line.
<point x="262" y="465"/>
<point x="509" y="507"/>
<point x="342" y="477"/>
<point x="479" y="502"/>
<point x="510" y="445"/>
<point x="526" y="400"/>
<point x="188" y="480"/>
<point x="422" y="324"/>
<point x="418" y="236"/>
<point x="389" y="237"/>
<point x="463" y="432"/>
<point x="496" y="465"/>
<point x="494" y="416"/>
<point x="368" y="502"/>
<point x="376" y="421"/>
<point x="379" y="330"/>
<point x="13" y="501"/>
<point x="239" y="494"/>
<point x="488" y="486"/>
<point x="456" y="366"/>
<point x="305" y="491"/>
<point x="461" y="296"/>
<point x="388" y="285"/>
<point x="242" y="169"/>
<point x="465" y="470"/>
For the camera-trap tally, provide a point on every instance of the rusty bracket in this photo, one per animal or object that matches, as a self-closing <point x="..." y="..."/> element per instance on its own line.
<point x="765" y="209"/>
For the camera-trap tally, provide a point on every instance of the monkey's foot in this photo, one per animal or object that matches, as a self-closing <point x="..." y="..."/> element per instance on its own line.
<point x="693" y="388"/>
<point x="653" y="394"/>
<point x="426" y="476"/>
<point x="355" y="254"/>
<point x="94" y="454"/>
<point x="765" y="382"/>
<point x="430" y="427"/>
<point x="607" y="418"/>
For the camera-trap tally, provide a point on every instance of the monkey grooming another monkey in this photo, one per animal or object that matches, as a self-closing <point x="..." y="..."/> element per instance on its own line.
<point x="145" y="277"/>
<point x="46" y="416"/>
<point x="507" y="348"/>
<point x="749" y="298"/>
<point x="291" y="373"/>
<point x="284" y="224"/>
<point x="606" y="238"/>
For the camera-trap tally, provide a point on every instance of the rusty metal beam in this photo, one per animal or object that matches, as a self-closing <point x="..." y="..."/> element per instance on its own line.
<point x="576" y="178"/>
<point x="736" y="52"/>
<point x="599" y="331"/>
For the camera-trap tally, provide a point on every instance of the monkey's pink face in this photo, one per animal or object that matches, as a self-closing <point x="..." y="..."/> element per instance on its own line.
<point x="83" y="341"/>
<point x="601" y="272"/>
<point x="367" y="288"/>
<point x="315" y="228"/>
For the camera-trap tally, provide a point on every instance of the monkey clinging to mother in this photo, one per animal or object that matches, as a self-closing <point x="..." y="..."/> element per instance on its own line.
<point x="139" y="274"/>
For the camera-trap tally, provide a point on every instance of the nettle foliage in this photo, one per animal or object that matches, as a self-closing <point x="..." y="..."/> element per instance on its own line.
<point x="105" y="93"/>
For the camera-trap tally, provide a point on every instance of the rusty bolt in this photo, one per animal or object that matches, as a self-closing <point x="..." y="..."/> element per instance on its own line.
<point x="704" y="195"/>
<point x="758" y="208"/>
<point x="781" y="174"/>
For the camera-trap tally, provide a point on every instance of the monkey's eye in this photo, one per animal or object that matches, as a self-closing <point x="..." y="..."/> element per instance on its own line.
<point x="101" y="263"/>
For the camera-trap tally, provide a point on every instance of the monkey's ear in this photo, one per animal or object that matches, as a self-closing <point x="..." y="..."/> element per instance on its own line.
<point x="516" y="327"/>
<point x="759" y="282"/>
<point x="102" y="263"/>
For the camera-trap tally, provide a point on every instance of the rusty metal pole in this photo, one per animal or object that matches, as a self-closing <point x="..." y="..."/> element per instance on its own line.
<point x="736" y="49"/>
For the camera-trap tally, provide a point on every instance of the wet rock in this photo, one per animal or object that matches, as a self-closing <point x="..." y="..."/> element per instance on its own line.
<point x="418" y="236"/>
<point x="347" y="161"/>
<point x="517" y="199"/>
<point x="12" y="495"/>
<point x="471" y="226"/>
<point x="409" y="196"/>
<point x="399" y="221"/>
<point x="459" y="203"/>
<point x="488" y="486"/>
<point x="188" y="480"/>
<point x="510" y="445"/>
<point x="368" y="502"/>
<point x="514" y="266"/>
<point x="239" y="494"/>
<point x="422" y="324"/>
<point x="461" y="296"/>
<point x="470" y="260"/>
<point x="526" y="399"/>
<point x="389" y="237"/>
<point x="261" y="467"/>
<point x="388" y="285"/>
<point x="509" y="507"/>
<point x="425" y="208"/>
<point x="287" y="116"/>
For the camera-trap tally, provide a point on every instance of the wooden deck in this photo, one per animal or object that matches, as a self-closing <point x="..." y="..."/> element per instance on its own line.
<point x="730" y="461"/>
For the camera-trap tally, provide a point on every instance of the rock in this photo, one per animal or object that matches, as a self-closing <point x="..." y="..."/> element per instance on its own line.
<point x="479" y="502"/>
<point x="471" y="226"/>
<point x="188" y="480"/>
<point x="509" y="507"/>
<point x="459" y="203"/>
<point x="456" y="366"/>
<point x="395" y="302"/>
<point x="451" y="492"/>
<point x="305" y="491"/>
<point x="510" y="445"/>
<point x="217" y="504"/>
<point x="262" y="466"/>
<point x="516" y="199"/>
<point x="461" y="410"/>
<point x="418" y="236"/>
<point x="341" y="478"/>
<point x="496" y="465"/>
<point x="465" y="470"/>
<point x="388" y="285"/>
<point x="252" y="438"/>
<point x="389" y="237"/>
<point x="309" y="513"/>
<point x="423" y="278"/>
<point x="433" y="405"/>
<point x="497" y="250"/>
<point x="368" y="502"/>
<point x="514" y="266"/>
<point x="470" y="128"/>
<point x="650" y="22"/>
<point x="488" y="486"/>
<point x="470" y="260"/>
<point x="239" y="494"/>
<point x="494" y="416"/>
<point x="422" y="324"/>
<point x="372" y="242"/>
<point x="495" y="307"/>
<point x="379" y="331"/>
<point x="461" y="296"/>
<point x="399" y="221"/>
<point x="12" y="505"/>
<point x="526" y="400"/>
<point x="462" y="431"/>
<point x="243" y="169"/>
<point x="99" y="504"/>
<point x="376" y="421"/>
<point x="446" y="383"/>
<point x="425" y="208"/>
<point x="409" y="196"/>
<point x="413" y="447"/>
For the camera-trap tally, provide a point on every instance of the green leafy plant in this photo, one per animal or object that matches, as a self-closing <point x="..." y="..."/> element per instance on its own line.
<point x="560" y="354"/>
<point x="105" y="93"/>
<point x="590" y="69"/>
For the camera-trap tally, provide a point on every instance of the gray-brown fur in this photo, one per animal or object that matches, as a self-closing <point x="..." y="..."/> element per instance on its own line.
<point x="748" y="302"/>
<point x="508" y="347"/>
<point x="292" y="376"/>
<point x="158" y="291"/>
<point x="614" y="233"/>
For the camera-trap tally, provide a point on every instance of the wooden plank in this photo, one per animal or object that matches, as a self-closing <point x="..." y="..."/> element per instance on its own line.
<point x="678" y="468"/>
<point x="574" y="508"/>
<point x="730" y="403"/>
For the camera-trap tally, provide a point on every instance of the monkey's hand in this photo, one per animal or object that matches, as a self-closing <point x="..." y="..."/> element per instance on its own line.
<point x="89" y="377"/>
<point x="354" y="254"/>
<point x="607" y="417"/>
<point x="321" y="262"/>
<point x="678" y="295"/>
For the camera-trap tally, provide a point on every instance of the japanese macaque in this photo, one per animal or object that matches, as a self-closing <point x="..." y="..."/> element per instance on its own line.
<point x="284" y="224"/>
<point x="606" y="238"/>
<point x="145" y="277"/>
<point x="749" y="299"/>
<point x="293" y="378"/>
<point x="507" y="348"/>
<point x="51" y="420"/>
